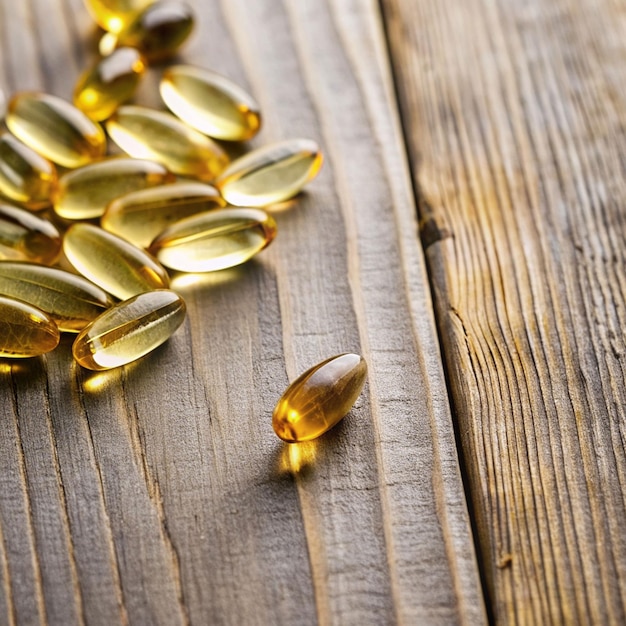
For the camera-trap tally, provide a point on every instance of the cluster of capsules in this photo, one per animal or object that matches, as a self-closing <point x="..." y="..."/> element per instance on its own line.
<point x="175" y="202"/>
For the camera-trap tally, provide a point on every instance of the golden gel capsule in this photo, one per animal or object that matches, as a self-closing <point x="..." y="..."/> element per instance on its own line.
<point x="25" y="330"/>
<point x="109" y="83"/>
<point x="318" y="399"/>
<point x="114" y="15"/>
<point x="210" y="103"/>
<point x="27" y="237"/>
<point x="25" y="176"/>
<point x="111" y="262"/>
<point x="70" y="300"/>
<point x="270" y="174"/>
<point x="157" y="31"/>
<point x="149" y="134"/>
<point x="214" y="240"/>
<point x="142" y="215"/>
<point x="55" y="129"/>
<point x="86" y="192"/>
<point x="129" y="330"/>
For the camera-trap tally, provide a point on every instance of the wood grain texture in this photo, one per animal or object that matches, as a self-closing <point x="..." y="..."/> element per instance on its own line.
<point x="158" y="494"/>
<point x="515" y="116"/>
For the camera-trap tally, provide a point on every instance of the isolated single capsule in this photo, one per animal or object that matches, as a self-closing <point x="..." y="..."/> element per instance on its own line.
<point x="25" y="330"/>
<point x="25" y="176"/>
<point x="114" y="15"/>
<point x="129" y="330"/>
<point x="109" y="83"/>
<point x="210" y="103"/>
<point x="149" y="134"/>
<point x="27" y="237"/>
<point x="270" y="174"/>
<point x="70" y="300"/>
<point x="157" y="31"/>
<point x="142" y="215"/>
<point x="111" y="262"/>
<point x="86" y="192"/>
<point x="214" y="240"/>
<point x="55" y="129"/>
<point x="319" y="398"/>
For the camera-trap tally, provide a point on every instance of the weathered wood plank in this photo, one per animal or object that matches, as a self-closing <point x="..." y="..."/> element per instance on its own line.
<point x="515" y="116"/>
<point x="160" y="491"/>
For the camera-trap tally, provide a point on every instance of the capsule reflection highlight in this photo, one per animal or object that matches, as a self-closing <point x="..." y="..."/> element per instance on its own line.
<point x="214" y="240"/>
<point x="270" y="174"/>
<point x="319" y="398"/>
<point x="112" y="263"/>
<point x="25" y="330"/>
<point x="129" y="330"/>
<point x="55" y="129"/>
<point x="110" y="82"/>
<point x="150" y="134"/>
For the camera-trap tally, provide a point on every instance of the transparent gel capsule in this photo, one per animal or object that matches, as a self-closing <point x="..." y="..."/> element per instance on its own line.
<point x="114" y="15"/>
<point x="141" y="215"/>
<point x="149" y="134"/>
<point x="25" y="176"/>
<point x="270" y="174"/>
<point x="210" y="103"/>
<point x="110" y="82"/>
<point x="111" y="262"/>
<point x="55" y="129"/>
<point x="319" y="398"/>
<point x="86" y="192"/>
<point x="214" y="240"/>
<point x="157" y="31"/>
<point x="129" y="330"/>
<point x="25" y="330"/>
<point x="70" y="300"/>
<point x="27" y="237"/>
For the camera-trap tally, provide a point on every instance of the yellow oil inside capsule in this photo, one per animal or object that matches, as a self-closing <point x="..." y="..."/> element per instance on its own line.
<point x="55" y="129"/>
<point x="214" y="240"/>
<point x="25" y="330"/>
<point x="109" y="83"/>
<point x="114" y="15"/>
<point x="129" y="330"/>
<point x="148" y="134"/>
<point x="27" y="237"/>
<point x="70" y="300"/>
<point x="319" y="398"/>
<point x="86" y="192"/>
<point x="111" y="262"/>
<point x="142" y="215"/>
<point x="270" y="174"/>
<point x="210" y="103"/>
<point x="25" y="176"/>
<point x="157" y="31"/>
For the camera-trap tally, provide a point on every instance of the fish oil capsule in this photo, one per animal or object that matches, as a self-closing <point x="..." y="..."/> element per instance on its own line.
<point x="214" y="240"/>
<point x="148" y="134"/>
<point x="55" y="129"/>
<point x="27" y="237"/>
<point x="70" y="300"/>
<point x="129" y="330"/>
<point x="319" y="398"/>
<point x="25" y="330"/>
<point x="270" y="174"/>
<point x="210" y="103"/>
<point x="157" y="31"/>
<point x="86" y="192"/>
<point x="25" y="176"/>
<point x="142" y="215"/>
<point x="112" y="262"/>
<point x="109" y="83"/>
<point x="114" y="15"/>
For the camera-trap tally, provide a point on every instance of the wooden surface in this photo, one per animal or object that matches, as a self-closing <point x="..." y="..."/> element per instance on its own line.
<point x="158" y="494"/>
